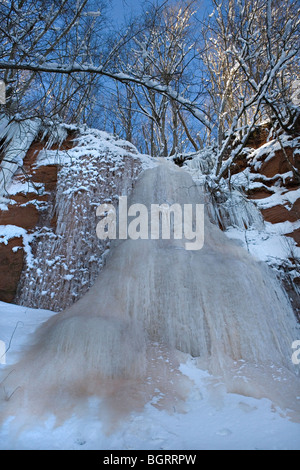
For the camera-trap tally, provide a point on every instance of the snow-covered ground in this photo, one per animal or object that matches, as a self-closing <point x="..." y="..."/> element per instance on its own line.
<point x="216" y="420"/>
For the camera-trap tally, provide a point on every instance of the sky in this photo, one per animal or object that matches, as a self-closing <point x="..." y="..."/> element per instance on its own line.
<point x="121" y="8"/>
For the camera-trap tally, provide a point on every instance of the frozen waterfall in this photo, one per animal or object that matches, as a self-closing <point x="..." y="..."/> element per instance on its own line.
<point x="153" y="303"/>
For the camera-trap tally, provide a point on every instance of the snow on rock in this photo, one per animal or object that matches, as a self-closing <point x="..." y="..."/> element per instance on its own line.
<point x="70" y="171"/>
<point x="17" y="137"/>
<point x="7" y="232"/>
<point x="273" y="186"/>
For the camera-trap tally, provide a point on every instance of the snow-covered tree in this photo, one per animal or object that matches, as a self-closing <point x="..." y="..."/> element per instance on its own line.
<point x="246" y="65"/>
<point x="163" y="49"/>
<point x="39" y="32"/>
<point x="252" y="50"/>
<point x="63" y="52"/>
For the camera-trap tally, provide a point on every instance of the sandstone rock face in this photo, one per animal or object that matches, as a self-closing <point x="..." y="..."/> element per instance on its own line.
<point x="277" y="185"/>
<point x="279" y="213"/>
<point x="28" y="209"/>
<point x="68" y="256"/>
<point x="11" y="265"/>
<point x="280" y="163"/>
<point x="274" y="171"/>
<point x="296" y="236"/>
<point x="22" y="215"/>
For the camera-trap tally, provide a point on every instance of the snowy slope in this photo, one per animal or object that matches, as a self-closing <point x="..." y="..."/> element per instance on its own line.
<point x="211" y="420"/>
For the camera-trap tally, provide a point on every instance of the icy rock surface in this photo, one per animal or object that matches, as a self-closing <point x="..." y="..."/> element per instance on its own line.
<point x="68" y="258"/>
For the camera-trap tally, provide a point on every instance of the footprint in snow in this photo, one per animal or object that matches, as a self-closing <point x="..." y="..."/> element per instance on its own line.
<point x="224" y="432"/>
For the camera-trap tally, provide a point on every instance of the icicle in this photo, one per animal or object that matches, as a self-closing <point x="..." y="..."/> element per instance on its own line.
<point x="226" y="206"/>
<point x="230" y="208"/>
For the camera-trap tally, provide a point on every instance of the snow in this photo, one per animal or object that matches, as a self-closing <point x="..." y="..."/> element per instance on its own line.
<point x="8" y="232"/>
<point x="211" y="419"/>
<point x="53" y="157"/>
<point x="16" y="187"/>
<point x="292" y="196"/>
<point x="269" y="245"/>
<point x="97" y="144"/>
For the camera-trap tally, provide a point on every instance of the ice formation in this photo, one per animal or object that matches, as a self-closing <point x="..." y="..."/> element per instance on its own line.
<point x="18" y="136"/>
<point x="154" y="298"/>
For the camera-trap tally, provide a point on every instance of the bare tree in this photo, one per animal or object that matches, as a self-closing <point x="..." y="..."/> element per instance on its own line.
<point x="42" y="32"/>
<point x="40" y="58"/>
<point x="162" y="49"/>
<point x="246" y="68"/>
<point x="251" y="48"/>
